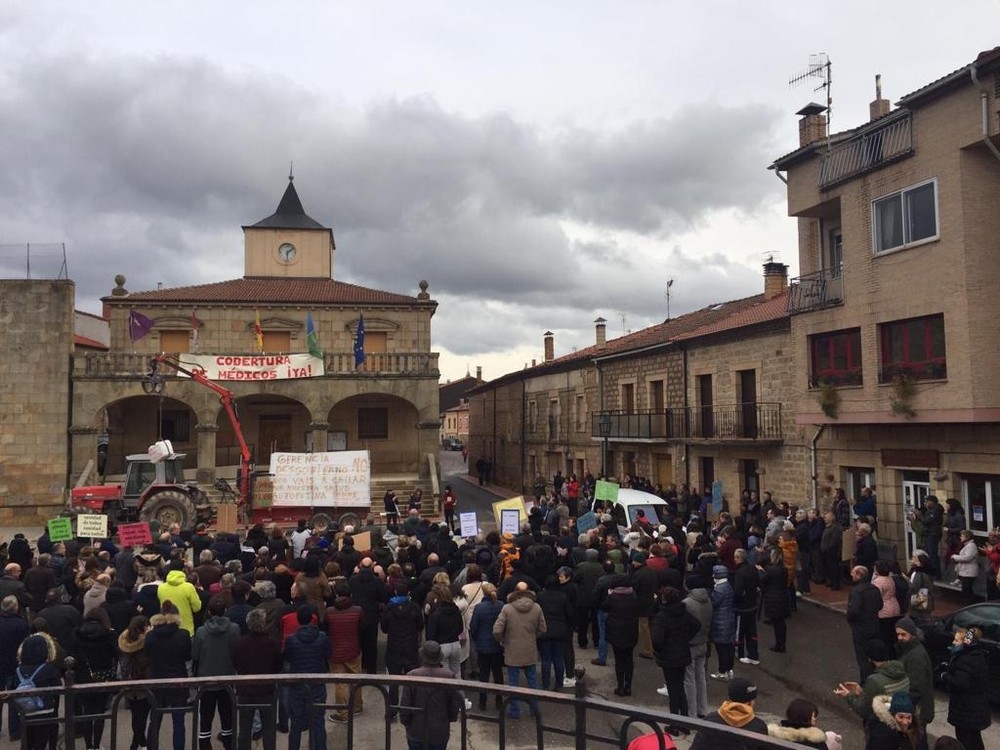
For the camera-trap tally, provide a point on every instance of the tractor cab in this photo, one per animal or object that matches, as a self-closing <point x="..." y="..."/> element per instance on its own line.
<point x="141" y="473"/>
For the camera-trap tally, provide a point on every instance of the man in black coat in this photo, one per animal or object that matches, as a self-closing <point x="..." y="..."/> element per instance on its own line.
<point x="168" y="646"/>
<point x="932" y="518"/>
<point x="369" y="593"/>
<point x="645" y="583"/>
<point x="401" y="621"/>
<point x="12" y="585"/>
<point x="60" y="619"/>
<point x="863" y="606"/>
<point x="746" y="599"/>
<point x="38" y="580"/>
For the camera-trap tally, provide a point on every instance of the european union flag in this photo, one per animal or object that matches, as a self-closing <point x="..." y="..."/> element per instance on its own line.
<point x="359" y="343"/>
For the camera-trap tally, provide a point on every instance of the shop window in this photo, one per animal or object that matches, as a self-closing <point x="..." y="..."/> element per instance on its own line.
<point x="913" y="349"/>
<point x="835" y="358"/>
<point x="373" y="423"/>
<point x="981" y="500"/>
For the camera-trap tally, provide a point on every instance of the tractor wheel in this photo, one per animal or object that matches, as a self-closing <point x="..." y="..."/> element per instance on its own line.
<point x="350" y="519"/>
<point x="169" y="507"/>
<point x="321" y="522"/>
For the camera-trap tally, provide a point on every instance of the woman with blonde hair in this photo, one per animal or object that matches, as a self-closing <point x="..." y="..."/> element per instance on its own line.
<point x="445" y="625"/>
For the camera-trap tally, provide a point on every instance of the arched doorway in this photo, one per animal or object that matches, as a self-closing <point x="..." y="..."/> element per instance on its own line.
<point x="270" y="424"/>
<point x="386" y="426"/>
<point x="132" y="424"/>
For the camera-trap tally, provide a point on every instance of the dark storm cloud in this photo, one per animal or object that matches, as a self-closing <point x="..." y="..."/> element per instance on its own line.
<point x="149" y="167"/>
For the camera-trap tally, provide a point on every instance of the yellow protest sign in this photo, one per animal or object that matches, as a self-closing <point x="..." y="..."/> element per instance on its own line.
<point x="512" y="503"/>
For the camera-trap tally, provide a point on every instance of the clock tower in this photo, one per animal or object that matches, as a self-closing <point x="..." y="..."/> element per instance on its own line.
<point x="288" y="243"/>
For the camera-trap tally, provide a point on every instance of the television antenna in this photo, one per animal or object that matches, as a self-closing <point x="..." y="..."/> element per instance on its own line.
<point x="624" y="317"/>
<point x="670" y="283"/>
<point x="820" y="68"/>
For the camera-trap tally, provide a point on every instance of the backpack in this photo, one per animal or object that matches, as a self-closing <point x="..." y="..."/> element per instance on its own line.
<point x="28" y="704"/>
<point x="902" y="593"/>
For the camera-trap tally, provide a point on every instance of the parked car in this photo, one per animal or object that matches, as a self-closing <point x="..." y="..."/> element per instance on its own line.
<point x="629" y="501"/>
<point x="939" y="632"/>
<point x="451" y="444"/>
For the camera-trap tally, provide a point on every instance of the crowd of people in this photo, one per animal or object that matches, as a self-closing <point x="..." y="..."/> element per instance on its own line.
<point x="686" y="592"/>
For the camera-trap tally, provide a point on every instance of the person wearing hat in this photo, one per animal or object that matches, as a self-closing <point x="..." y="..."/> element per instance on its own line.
<point x="917" y="663"/>
<point x="965" y="678"/>
<point x="892" y="724"/>
<point x="737" y="712"/>
<point x="889" y="677"/>
<point x="428" y="725"/>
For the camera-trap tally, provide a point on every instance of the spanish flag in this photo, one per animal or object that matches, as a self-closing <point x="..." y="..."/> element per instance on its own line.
<point x="258" y="332"/>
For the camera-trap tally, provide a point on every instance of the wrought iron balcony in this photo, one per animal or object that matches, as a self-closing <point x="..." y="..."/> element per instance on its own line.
<point x="720" y="423"/>
<point x="890" y="140"/>
<point x="814" y="291"/>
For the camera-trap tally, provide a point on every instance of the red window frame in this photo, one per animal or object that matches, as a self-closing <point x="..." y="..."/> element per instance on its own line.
<point x="926" y="368"/>
<point x="849" y="375"/>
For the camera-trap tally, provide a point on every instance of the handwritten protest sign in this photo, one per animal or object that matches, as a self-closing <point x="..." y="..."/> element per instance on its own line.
<point x="509" y="521"/>
<point x="60" y="529"/>
<point x="513" y="503"/>
<point x="254" y="367"/>
<point x="331" y="479"/>
<point x="94" y="526"/>
<point x="134" y="534"/>
<point x="606" y="491"/>
<point x="468" y="524"/>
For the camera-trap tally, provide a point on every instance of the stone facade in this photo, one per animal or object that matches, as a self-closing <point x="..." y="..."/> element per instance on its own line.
<point x="35" y="349"/>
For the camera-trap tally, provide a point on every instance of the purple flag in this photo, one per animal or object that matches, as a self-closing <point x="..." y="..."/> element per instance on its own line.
<point x="138" y="325"/>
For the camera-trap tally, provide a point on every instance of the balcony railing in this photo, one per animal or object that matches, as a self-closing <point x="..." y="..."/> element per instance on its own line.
<point x="740" y="422"/>
<point x="873" y="149"/>
<point x="815" y="291"/>
<point x="130" y="365"/>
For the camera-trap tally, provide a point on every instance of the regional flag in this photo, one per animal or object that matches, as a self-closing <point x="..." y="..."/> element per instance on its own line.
<point x="312" y="339"/>
<point x="138" y="325"/>
<point x="258" y="332"/>
<point x="359" y="343"/>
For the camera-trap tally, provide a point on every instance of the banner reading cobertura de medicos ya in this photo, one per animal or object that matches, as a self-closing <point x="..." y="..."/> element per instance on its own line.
<point x="254" y="366"/>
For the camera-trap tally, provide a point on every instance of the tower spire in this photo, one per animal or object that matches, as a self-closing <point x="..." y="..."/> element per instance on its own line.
<point x="291" y="170"/>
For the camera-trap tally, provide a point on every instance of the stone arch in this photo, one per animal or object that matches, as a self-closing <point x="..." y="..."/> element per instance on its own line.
<point x="132" y="423"/>
<point x="270" y="422"/>
<point x="386" y="425"/>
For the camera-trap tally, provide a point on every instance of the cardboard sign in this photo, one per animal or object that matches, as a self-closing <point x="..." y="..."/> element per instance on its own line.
<point x="468" y="524"/>
<point x="606" y="491"/>
<point x="225" y="518"/>
<point x="60" y="529"/>
<point x="586" y="522"/>
<point x="94" y="526"/>
<point x="513" y="503"/>
<point x="134" y="534"/>
<point x="362" y="541"/>
<point x="510" y="521"/>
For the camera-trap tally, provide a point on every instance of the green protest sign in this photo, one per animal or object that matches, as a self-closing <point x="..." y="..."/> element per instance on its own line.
<point x="60" y="529"/>
<point x="606" y="491"/>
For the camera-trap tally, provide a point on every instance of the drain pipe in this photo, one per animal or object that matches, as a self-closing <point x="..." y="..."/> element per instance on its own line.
<point x="812" y="460"/>
<point x="779" y="175"/>
<point x="984" y="98"/>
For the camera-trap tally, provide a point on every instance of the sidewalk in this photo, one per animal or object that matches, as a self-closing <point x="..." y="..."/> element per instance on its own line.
<point x="946" y="598"/>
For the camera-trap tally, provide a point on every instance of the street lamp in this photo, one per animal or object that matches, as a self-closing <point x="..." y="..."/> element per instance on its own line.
<point x="604" y="426"/>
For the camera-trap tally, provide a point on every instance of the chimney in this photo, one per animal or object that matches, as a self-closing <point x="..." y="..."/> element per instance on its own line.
<point x="812" y="126"/>
<point x="602" y="332"/>
<point x="479" y="374"/>
<point x="533" y="362"/>
<point x="549" y="346"/>
<point x="775" y="279"/>
<point x="880" y="107"/>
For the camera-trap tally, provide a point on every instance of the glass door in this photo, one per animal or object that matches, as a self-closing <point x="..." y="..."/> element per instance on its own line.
<point x="914" y="493"/>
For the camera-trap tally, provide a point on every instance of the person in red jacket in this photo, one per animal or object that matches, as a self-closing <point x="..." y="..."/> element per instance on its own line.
<point x="343" y="626"/>
<point x="992" y="550"/>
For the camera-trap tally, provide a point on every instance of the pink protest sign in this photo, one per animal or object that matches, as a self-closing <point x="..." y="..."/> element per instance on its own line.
<point x="134" y="534"/>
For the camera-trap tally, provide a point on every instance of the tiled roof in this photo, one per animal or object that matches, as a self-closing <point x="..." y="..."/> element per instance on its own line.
<point x="79" y="340"/>
<point x="775" y="308"/>
<point x="259" y="290"/>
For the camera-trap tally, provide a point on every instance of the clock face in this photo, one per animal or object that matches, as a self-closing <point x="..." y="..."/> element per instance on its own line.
<point x="286" y="252"/>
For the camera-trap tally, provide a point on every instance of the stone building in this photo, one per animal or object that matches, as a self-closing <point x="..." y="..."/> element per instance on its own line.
<point x="387" y="405"/>
<point x="894" y="326"/>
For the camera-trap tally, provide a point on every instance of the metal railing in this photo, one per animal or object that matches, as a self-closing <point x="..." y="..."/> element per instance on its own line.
<point x="749" y="421"/>
<point x="889" y="141"/>
<point x="130" y="365"/>
<point x="814" y="291"/>
<point x="580" y="720"/>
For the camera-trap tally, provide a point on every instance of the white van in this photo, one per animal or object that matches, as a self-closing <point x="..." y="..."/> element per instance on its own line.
<point x="624" y="510"/>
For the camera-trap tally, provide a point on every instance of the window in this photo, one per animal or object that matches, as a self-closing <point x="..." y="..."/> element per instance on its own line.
<point x="656" y="402"/>
<point x="581" y="414"/>
<point x="176" y="426"/>
<point x="914" y="349"/>
<point x="628" y="398"/>
<point x="175" y="342"/>
<point x="835" y="358"/>
<point x="277" y="341"/>
<point x="376" y="342"/>
<point x="905" y="218"/>
<point x="554" y="419"/>
<point x="373" y="423"/>
<point x="982" y="503"/>
<point x="532" y="416"/>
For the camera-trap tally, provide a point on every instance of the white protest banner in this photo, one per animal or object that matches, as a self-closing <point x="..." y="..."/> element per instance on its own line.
<point x="468" y="524"/>
<point x="92" y="526"/>
<point x="509" y="521"/>
<point x="253" y="366"/>
<point x="336" y="479"/>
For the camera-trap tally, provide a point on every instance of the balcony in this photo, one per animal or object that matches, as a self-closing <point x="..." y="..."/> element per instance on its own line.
<point x="720" y="423"/>
<point x="129" y="365"/>
<point x="890" y="141"/>
<point x="815" y="291"/>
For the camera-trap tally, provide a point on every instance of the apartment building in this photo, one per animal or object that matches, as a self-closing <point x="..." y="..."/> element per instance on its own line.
<point x="894" y="319"/>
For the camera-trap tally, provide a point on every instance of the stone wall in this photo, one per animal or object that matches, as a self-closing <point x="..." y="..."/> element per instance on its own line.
<point x="36" y="341"/>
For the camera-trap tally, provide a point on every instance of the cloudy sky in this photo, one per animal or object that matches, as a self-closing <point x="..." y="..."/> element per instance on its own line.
<point x="539" y="163"/>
